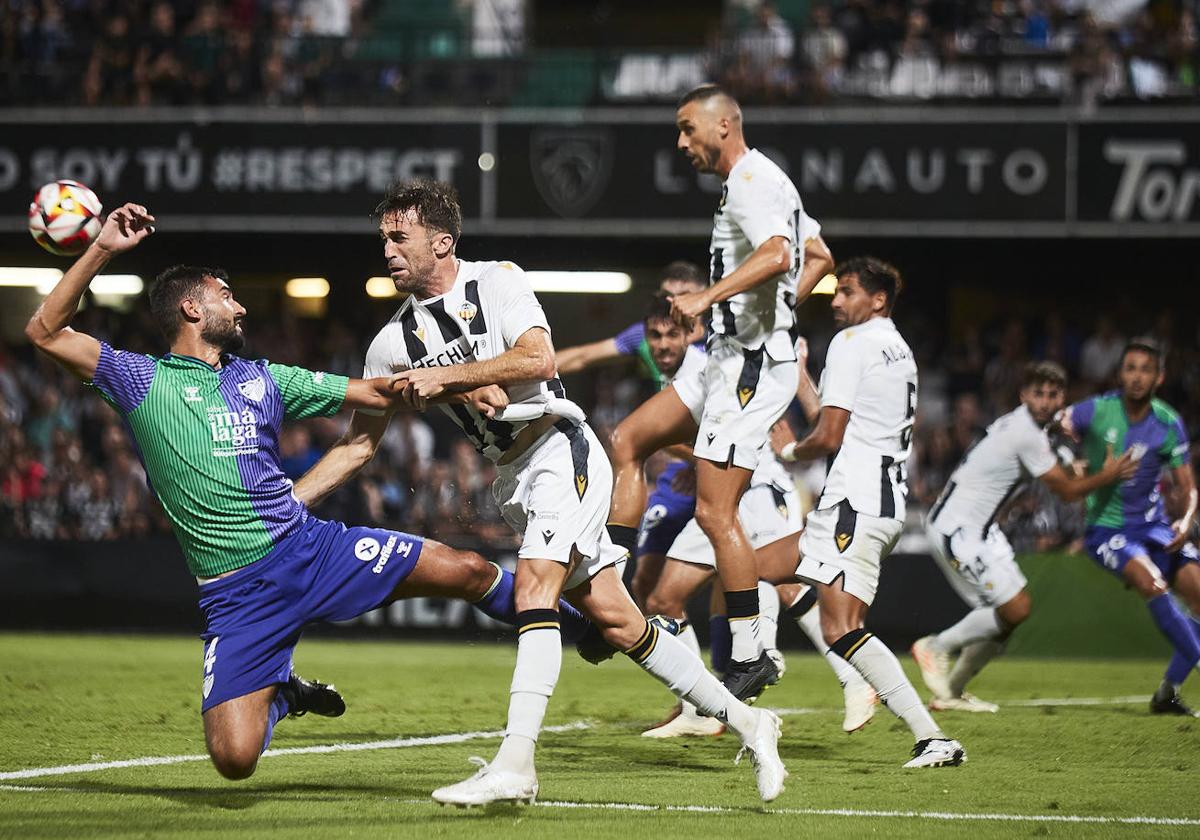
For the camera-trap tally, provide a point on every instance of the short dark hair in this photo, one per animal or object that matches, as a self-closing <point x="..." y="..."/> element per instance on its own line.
<point x="1144" y="344"/>
<point x="1043" y="373"/>
<point x="684" y="270"/>
<point x="170" y="287"/>
<point x="874" y="275"/>
<point x="659" y="309"/>
<point x="435" y="204"/>
<point x="704" y="92"/>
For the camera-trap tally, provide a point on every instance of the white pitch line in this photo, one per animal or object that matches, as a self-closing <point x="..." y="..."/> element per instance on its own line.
<point x="849" y="812"/>
<point x="395" y="743"/>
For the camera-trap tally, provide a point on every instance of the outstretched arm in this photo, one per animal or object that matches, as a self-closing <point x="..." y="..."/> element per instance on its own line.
<point x="345" y="458"/>
<point x="823" y="440"/>
<point x="49" y="328"/>
<point x="1071" y="488"/>
<point x="575" y="359"/>
<point x="769" y="259"/>
<point x="530" y="359"/>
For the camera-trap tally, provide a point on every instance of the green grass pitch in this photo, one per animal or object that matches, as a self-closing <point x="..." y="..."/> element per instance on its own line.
<point x="81" y="699"/>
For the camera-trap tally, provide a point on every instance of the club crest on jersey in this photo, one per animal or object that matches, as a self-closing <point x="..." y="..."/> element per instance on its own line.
<point x="467" y="311"/>
<point x="255" y="389"/>
<point x="581" y="483"/>
<point x="842" y="540"/>
<point x="191" y="393"/>
<point x="745" y="395"/>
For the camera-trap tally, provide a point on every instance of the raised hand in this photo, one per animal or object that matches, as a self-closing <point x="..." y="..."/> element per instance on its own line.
<point x="124" y="228"/>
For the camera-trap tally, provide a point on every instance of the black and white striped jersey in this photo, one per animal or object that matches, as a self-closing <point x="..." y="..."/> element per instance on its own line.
<point x="758" y="202"/>
<point x="871" y="373"/>
<point x="489" y="307"/>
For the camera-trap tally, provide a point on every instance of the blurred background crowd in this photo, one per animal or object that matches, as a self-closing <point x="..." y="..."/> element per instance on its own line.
<point x="534" y="52"/>
<point x="68" y="471"/>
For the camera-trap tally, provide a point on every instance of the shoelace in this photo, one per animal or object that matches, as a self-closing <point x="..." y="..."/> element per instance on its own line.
<point x="480" y="763"/>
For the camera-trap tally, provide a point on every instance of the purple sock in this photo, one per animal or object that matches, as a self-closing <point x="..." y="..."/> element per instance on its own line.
<point x="720" y="642"/>
<point x="501" y="605"/>
<point x="278" y="710"/>
<point x="1178" y="670"/>
<point x="1180" y="630"/>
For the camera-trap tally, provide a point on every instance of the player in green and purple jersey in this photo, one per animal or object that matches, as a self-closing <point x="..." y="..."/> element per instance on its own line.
<point x="1128" y="531"/>
<point x="206" y="425"/>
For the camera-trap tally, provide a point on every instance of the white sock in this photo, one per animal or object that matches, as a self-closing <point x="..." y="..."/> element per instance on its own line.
<point x="539" y="660"/>
<point x="768" y="614"/>
<point x="879" y="667"/>
<point x="971" y="661"/>
<point x="810" y="623"/>
<point x="742" y="610"/>
<point x="687" y="637"/>
<point x="976" y="626"/>
<point x="670" y="662"/>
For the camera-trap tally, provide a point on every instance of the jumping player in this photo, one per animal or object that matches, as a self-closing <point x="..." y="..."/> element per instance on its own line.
<point x="763" y="263"/>
<point x="973" y="552"/>
<point x="467" y="325"/>
<point x="206" y="424"/>
<point x="1128" y="532"/>
<point x="862" y="422"/>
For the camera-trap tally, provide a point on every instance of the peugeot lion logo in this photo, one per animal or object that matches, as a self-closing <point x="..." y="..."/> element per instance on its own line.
<point x="571" y="167"/>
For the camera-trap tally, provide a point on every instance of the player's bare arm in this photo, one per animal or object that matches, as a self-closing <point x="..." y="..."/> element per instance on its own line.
<point x="1071" y="488"/>
<point x="818" y="261"/>
<point x="575" y="359"/>
<point x="1185" y="481"/>
<point x="530" y="359"/>
<point x="351" y="453"/>
<point x="823" y="440"/>
<point x="48" y="328"/>
<point x="769" y="259"/>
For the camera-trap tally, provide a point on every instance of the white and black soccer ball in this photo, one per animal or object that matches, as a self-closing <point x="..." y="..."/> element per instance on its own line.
<point x="64" y="217"/>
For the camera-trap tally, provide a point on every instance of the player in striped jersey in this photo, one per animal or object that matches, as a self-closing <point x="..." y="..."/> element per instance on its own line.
<point x="467" y="325"/>
<point x="973" y="552"/>
<point x="206" y="425"/>
<point x="766" y="255"/>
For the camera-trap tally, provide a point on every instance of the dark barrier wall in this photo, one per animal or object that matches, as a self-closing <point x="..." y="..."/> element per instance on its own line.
<point x="1079" y="611"/>
<point x="1044" y="172"/>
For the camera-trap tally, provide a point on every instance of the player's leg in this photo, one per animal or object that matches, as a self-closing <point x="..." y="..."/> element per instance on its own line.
<point x="976" y="653"/>
<point x="663" y="420"/>
<point x="1145" y="578"/>
<point x="444" y="572"/>
<point x="1185" y="584"/>
<point x="799" y="603"/>
<point x="646" y="578"/>
<point x="606" y="602"/>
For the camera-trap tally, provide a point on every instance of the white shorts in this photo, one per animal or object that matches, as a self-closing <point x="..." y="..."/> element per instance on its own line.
<point x="982" y="570"/>
<point x="767" y="514"/>
<point x="556" y="495"/>
<point x="735" y="399"/>
<point x="840" y="542"/>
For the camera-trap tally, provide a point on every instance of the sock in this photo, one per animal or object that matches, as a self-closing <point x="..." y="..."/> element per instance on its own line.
<point x="624" y="536"/>
<point x="669" y="661"/>
<point x="971" y="661"/>
<point x="1179" y="669"/>
<point x="768" y="614"/>
<point x="742" y="608"/>
<point x="976" y="626"/>
<point x="1178" y="628"/>
<point x="810" y="623"/>
<point x="500" y="604"/>
<point x="687" y="637"/>
<point x="720" y="643"/>
<point x="277" y="712"/>
<point x="805" y="602"/>
<point x="879" y="667"/>
<point x="539" y="660"/>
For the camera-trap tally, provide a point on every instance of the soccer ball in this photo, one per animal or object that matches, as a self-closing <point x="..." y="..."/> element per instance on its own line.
<point x="64" y="217"/>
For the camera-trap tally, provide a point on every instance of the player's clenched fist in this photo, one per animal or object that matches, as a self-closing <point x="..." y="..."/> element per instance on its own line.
<point x="124" y="228"/>
<point x="690" y="305"/>
<point x="488" y="400"/>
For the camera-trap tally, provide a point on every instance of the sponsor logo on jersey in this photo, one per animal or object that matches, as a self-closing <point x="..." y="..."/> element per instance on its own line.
<point x="385" y="553"/>
<point x="255" y="389"/>
<point x="191" y="393"/>
<point x="452" y="354"/>
<point x="366" y="549"/>
<point x="547" y="536"/>
<point x="571" y="167"/>
<point x="233" y="432"/>
<point x="318" y="377"/>
<point x="467" y="311"/>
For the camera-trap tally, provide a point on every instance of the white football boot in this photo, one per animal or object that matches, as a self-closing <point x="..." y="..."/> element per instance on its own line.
<point x="937" y="752"/>
<point x="686" y="723"/>
<point x="762" y="743"/>
<point x="861" y="701"/>
<point x="488" y="786"/>
<point x="965" y="703"/>
<point x="776" y="656"/>
<point x="935" y="666"/>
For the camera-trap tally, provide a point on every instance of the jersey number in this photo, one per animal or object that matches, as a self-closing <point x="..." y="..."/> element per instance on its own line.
<point x="909" y="411"/>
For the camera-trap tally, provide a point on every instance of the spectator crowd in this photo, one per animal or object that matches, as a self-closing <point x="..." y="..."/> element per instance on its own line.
<point x="68" y="470"/>
<point x="312" y="52"/>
